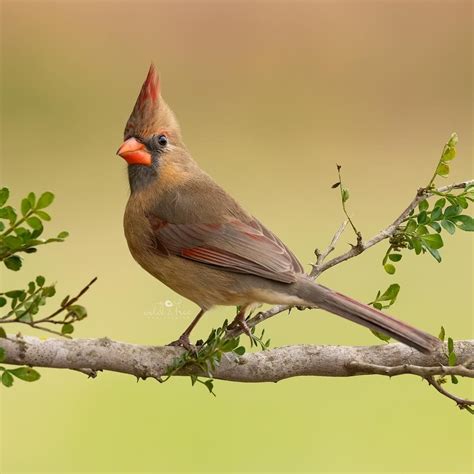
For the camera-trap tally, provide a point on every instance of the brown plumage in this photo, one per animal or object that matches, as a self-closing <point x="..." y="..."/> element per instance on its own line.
<point x="185" y="230"/>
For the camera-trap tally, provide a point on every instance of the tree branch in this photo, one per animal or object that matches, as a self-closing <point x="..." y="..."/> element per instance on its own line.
<point x="91" y="355"/>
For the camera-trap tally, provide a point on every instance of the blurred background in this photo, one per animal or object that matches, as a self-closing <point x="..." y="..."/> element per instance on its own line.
<point x="270" y="96"/>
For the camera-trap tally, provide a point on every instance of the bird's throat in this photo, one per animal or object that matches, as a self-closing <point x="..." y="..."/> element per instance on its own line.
<point x="141" y="176"/>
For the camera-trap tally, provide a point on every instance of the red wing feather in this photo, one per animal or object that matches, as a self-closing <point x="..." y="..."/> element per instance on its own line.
<point x="234" y="245"/>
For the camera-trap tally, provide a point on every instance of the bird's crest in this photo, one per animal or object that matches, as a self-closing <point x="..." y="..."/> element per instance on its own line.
<point x="150" y="112"/>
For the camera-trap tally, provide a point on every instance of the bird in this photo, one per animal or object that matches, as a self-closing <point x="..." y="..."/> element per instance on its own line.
<point x="189" y="233"/>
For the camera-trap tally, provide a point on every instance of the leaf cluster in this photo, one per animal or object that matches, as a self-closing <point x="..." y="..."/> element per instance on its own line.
<point x="20" y="230"/>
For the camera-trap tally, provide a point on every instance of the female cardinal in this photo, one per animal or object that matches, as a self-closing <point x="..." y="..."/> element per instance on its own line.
<point x="185" y="230"/>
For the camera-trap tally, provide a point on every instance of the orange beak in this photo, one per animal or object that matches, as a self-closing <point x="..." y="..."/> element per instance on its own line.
<point x="134" y="152"/>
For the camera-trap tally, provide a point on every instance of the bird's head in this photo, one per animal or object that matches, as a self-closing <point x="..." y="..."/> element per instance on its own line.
<point x="151" y="132"/>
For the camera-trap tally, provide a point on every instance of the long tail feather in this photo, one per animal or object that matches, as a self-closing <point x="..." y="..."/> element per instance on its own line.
<point x="367" y="316"/>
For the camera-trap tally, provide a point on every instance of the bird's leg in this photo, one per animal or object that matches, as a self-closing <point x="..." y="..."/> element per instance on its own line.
<point x="183" y="340"/>
<point x="239" y="321"/>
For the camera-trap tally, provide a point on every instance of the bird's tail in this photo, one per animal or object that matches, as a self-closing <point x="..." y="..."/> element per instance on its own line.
<point x="325" y="298"/>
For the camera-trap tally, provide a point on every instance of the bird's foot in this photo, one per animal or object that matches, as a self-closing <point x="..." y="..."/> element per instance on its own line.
<point x="184" y="342"/>
<point x="241" y="324"/>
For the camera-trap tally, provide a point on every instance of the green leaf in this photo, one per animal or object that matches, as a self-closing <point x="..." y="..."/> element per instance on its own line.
<point x="390" y="293"/>
<point x="2" y="350"/>
<point x="32" y="198"/>
<point x="7" y="379"/>
<point x="436" y="214"/>
<point x="422" y="230"/>
<point x="440" y="203"/>
<point x="449" y="153"/>
<point x="453" y="139"/>
<point x="452" y="359"/>
<point x="452" y="211"/>
<point x="4" y="195"/>
<point x="345" y="195"/>
<point x="442" y="170"/>
<point x="3" y="301"/>
<point x="240" y="350"/>
<point x="34" y="223"/>
<point x="26" y="373"/>
<point x="454" y="380"/>
<point x="416" y="242"/>
<point x="434" y="253"/>
<point x="422" y="217"/>
<point x="435" y="226"/>
<point x="423" y="205"/>
<point x="377" y="305"/>
<point x="40" y="280"/>
<point x="25" y="206"/>
<point x="411" y="226"/>
<point x="442" y="333"/>
<point x="13" y="263"/>
<point x="389" y="268"/>
<point x="13" y="242"/>
<point x="450" y="345"/>
<point x="67" y="328"/>
<point x="79" y="312"/>
<point x="63" y="234"/>
<point x="395" y="257"/>
<point x="43" y="215"/>
<point x="381" y="336"/>
<point x="448" y="226"/>
<point x="434" y="241"/>
<point x="464" y="222"/>
<point x="45" y="200"/>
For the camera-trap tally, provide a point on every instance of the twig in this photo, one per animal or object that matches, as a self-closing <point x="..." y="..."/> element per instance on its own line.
<point x="462" y="403"/>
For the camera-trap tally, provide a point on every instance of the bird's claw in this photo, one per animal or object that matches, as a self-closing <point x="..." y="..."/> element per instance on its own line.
<point x="184" y="342"/>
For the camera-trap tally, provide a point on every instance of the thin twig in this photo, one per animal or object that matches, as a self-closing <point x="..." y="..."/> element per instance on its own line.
<point x="462" y="403"/>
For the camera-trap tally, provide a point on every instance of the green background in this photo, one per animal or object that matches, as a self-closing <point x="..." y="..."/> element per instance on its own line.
<point x="270" y="96"/>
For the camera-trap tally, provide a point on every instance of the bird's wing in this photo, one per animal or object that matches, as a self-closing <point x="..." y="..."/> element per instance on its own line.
<point x="234" y="245"/>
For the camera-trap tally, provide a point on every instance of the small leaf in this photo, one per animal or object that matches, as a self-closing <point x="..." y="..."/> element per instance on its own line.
<point x="440" y="203"/>
<point x="411" y="226"/>
<point x="449" y="153"/>
<point x="13" y="263"/>
<point x="7" y="379"/>
<point x="389" y="268"/>
<point x="381" y="336"/>
<point x="40" y="280"/>
<point x="3" y="301"/>
<point x="423" y="205"/>
<point x="32" y="198"/>
<point x="448" y="226"/>
<point x="67" y="328"/>
<point x="453" y="139"/>
<point x="4" y="194"/>
<point x="43" y="215"/>
<point x="433" y="241"/>
<point x="452" y="211"/>
<point x="450" y="345"/>
<point x="345" y="195"/>
<point x="452" y="359"/>
<point x="442" y="170"/>
<point x="422" y="217"/>
<point x="454" y="379"/>
<point x="34" y="223"/>
<point x="395" y="257"/>
<point x="45" y="200"/>
<point x="434" y="253"/>
<point x="390" y="293"/>
<point x="240" y="350"/>
<point x="435" y="226"/>
<point x="335" y="185"/>
<point x="377" y="305"/>
<point x="26" y="373"/>
<point x="442" y="333"/>
<point x="63" y="234"/>
<point x="464" y="222"/>
<point x="436" y="214"/>
<point x="25" y="206"/>
<point x="2" y="350"/>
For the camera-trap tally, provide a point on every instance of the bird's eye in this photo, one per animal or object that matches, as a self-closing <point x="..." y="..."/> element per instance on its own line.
<point x="163" y="140"/>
